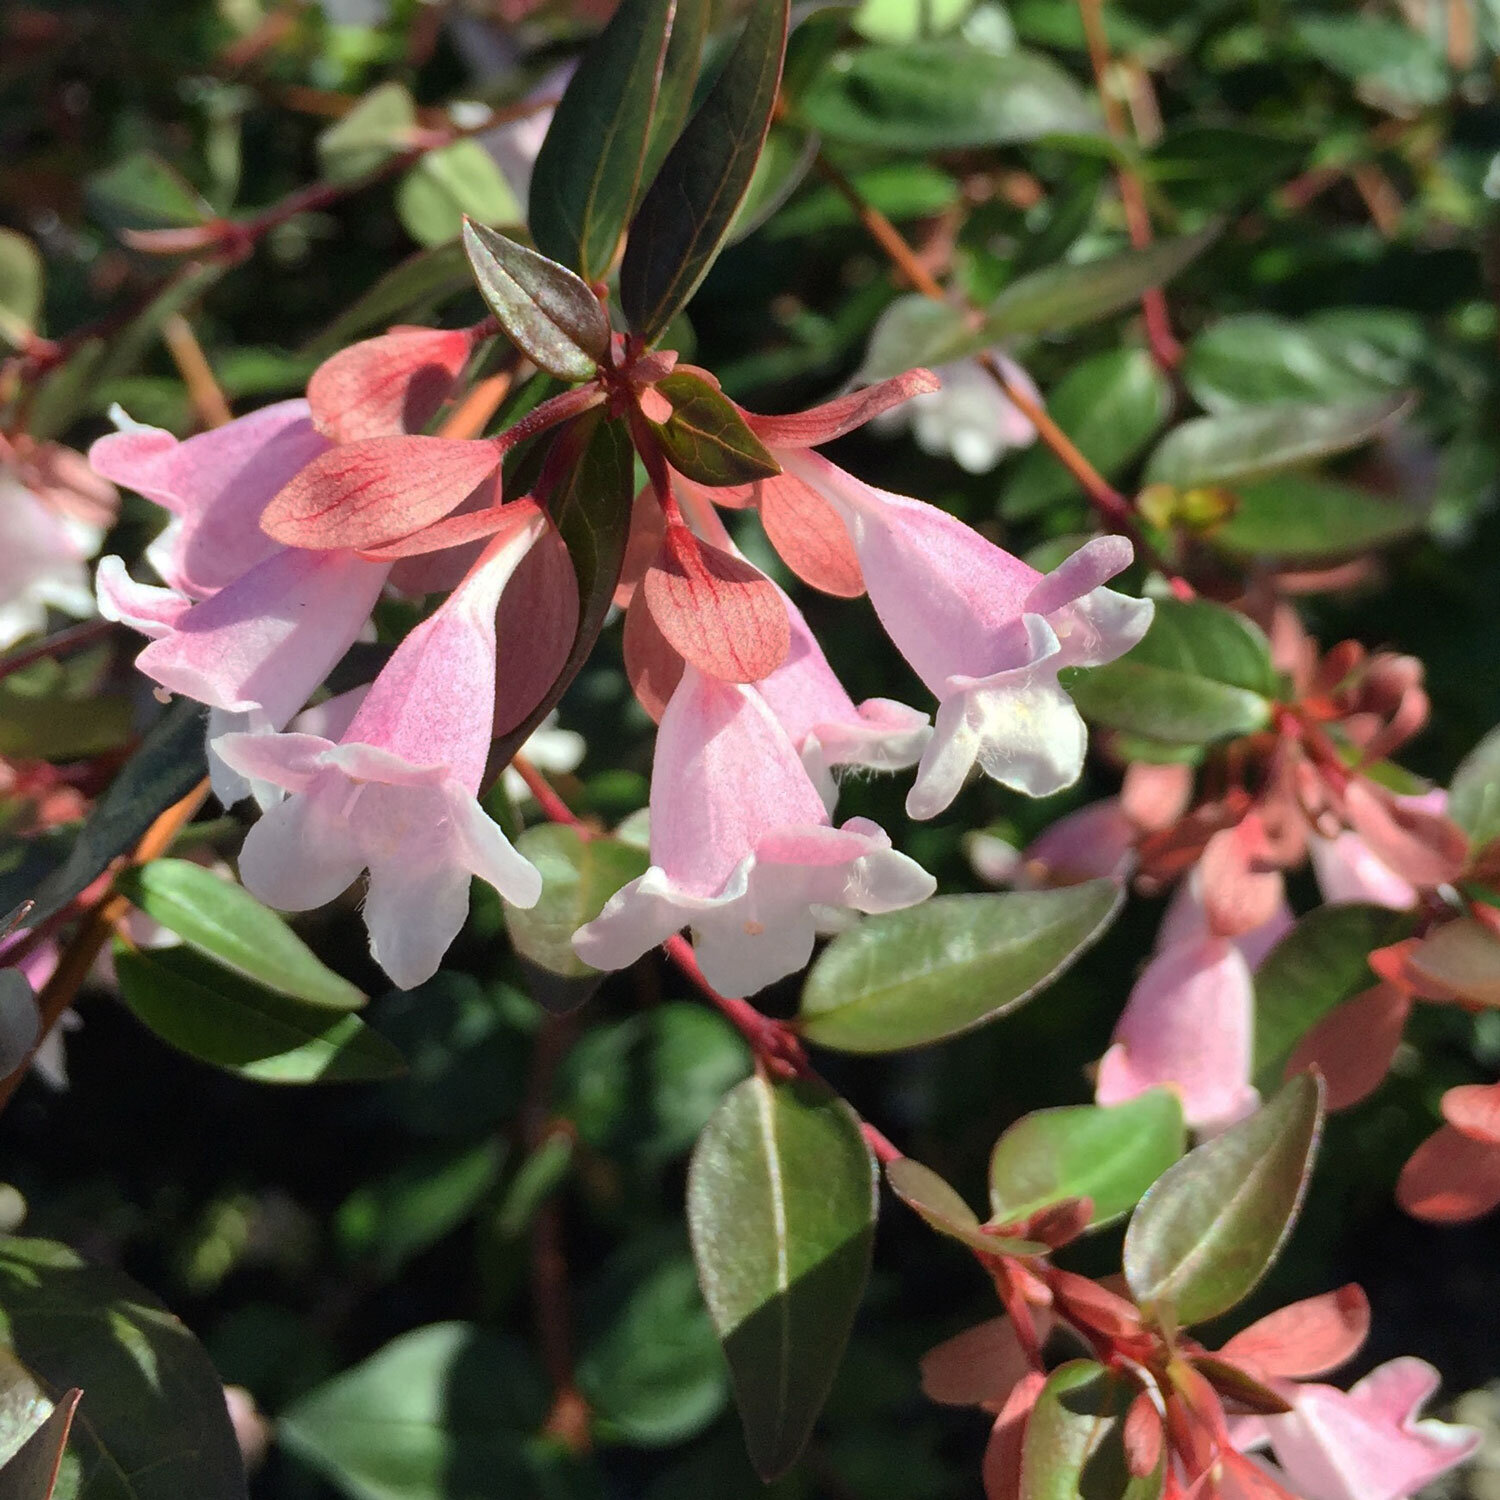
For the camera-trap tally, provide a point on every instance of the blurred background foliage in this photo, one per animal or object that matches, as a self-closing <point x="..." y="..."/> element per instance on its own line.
<point x="1353" y="155"/>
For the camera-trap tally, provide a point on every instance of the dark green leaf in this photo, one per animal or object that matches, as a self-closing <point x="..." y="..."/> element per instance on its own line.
<point x="24" y="1406"/>
<point x="379" y="127"/>
<point x="1207" y="1232"/>
<point x="647" y="1086"/>
<point x="32" y="1473"/>
<point x="153" y="1424"/>
<point x="441" y="1412"/>
<point x="674" y="99"/>
<point x="1322" y="962"/>
<point x="1254" y="441"/>
<point x="1110" y="406"/>
<point x="1074" y="1447"/>
<point x="781" y="1204"/>
<point x="945" y="95"/>
<point x="689" y="207"/>
<point x="1305" y="518"/>
<point x="591" y="507"/>
<point x="1474" y="794"/>
<point x="395" y="1217"/>
<point x="578" y="876"/>
<point x="225" y="921"/>
<point x="1202" y="673"/>
<point x="168" y="765"/>
<point x="953" y="963"/>
<point x="544" y="308"/>
<point x="589" y="168"/>
<point x="222" y="1018"/>
<point x="706" y="438"/>
<point x="143" y="192"/>
<point x="1109" y="1155"/>
<point x="57" y="727"/>
<point x="650" y="1368"/>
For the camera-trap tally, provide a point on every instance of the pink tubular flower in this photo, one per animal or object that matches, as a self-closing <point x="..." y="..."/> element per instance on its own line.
<point x="742" y="849"/>
<point x="397" y="794"/>
<point x="985" y="632"/>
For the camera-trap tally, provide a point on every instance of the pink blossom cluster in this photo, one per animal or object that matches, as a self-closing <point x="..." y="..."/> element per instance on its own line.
<point x="289" y="525"/>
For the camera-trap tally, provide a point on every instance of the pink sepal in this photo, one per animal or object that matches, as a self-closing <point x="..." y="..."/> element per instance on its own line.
<point x="833" y="419"/>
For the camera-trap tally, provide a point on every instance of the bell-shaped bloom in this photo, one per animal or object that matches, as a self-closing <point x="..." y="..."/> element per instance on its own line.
<point x="823" y="721"/>
<point x="987" y="633"/>
<point x="742" y="849"/>
<point x="968" y="418"/>
<point x="397" y="795"/>
<point x="1188" y="1025"/>
<point x="215" y="486"/>
<point x="1367" y="1443"/>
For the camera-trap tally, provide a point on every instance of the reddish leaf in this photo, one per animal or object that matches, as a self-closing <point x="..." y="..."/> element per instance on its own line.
<point x="1248" y="1393"/>
<point x="387" y="386"/>
<point x="721" y="614"/>
<point x="822" y="424"/>
<point x="647" y="528"/>
<point x="1474" y="1108"/>
<point x="1457" y="961"/>
<point x="452" y="531"/>
<point x="1353" y="1046"/>
<point x="1306" y="1339"/>
<point x="1241" y="889"/>
<point x="1155" y="797"/>
<point x="535" y="629"/>
<point x="369" y="493"/>
<point x="1144" y="1436"/>
<point x="653" y="667"/>
<point x="1088" y="1302"/>
<point x="1002" y="1455"/>
<point x="1450" y="1178"/>
<point x="978" y="1367"/>
<point x="809" y="537"/>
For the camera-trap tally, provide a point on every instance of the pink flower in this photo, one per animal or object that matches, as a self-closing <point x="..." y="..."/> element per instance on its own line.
<point x="1366" y="1443"/>
<point x="42" y="561"/>
<point x="397" y="794"/>
<point x="969" y="418"/>
<point x="742" y="849"/>
<point x="985" y="632"/>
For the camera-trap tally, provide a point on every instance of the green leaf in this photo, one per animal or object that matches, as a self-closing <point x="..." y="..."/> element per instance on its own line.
<point x="589" y="168"/>
<point x="423" y="1201"/>
<point x="945" y="95"/>
<point x="1074" y="1447"/>
<point x="1202" y="673"/>
<point x="24" y="1407"/>
<point x="1109" y="1155"/>
<point x="1110" y="406"/>
<point x="1305" y="518"/>
<point x="908" y="20"/>
<point x="944" y="1209"/>
<point x="444" y="1411"/>
<point x="20" y="288"/>
<point x="380" y="126"/>
<point x="153" y="1424"/>
<point x="904" y="190"/>
<point x="953" y="963"/>
<point x="578" y="876"/>
<point x="1249" y="443"/>
<point x="591" y="506"/>
<point x="674" y="99"/>
<point x="689" y="207"/>
<point x="1396" y="65"/>
<point x="781" y="1204"/>
<point x="646" y="1087"/>
<point x="168" y="765"/>
<point x="651" y="1369"/>
<point x="225" y="921"/>
<point x="1207" y="1232"/>
<point x="1322" y="962"/>
<point x="224" y="1019"/>
<point x="1255" y="359"/>
<point x="143" y="192"/>
<point x="450" y="185"/>
<point x="544" y="308"/>
<point x="1474" y="794"/>
<point x="706" y="438"/>
<point x="913" y="330"/>
<point x="1071" y="296"/>
<point x="59" y="727"/>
